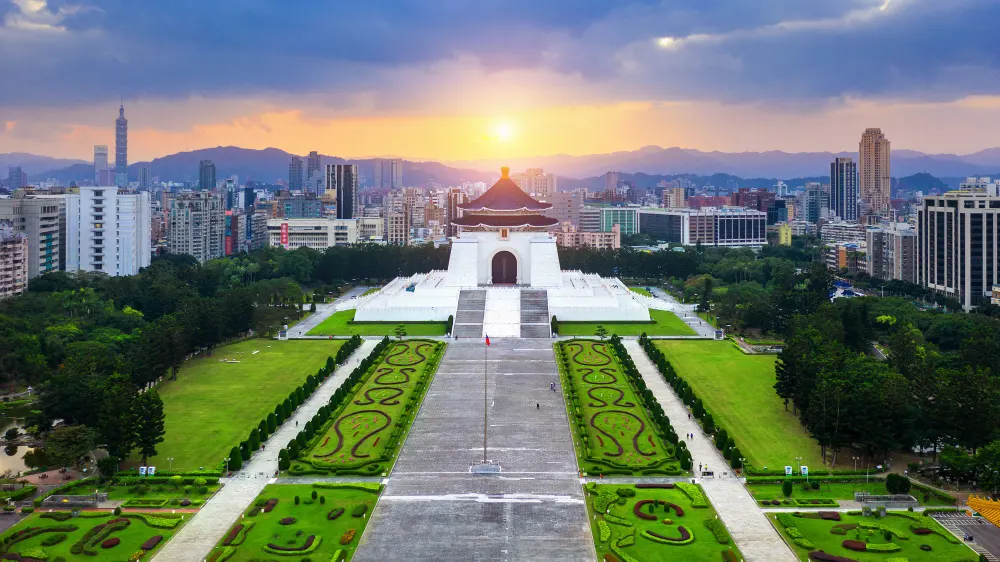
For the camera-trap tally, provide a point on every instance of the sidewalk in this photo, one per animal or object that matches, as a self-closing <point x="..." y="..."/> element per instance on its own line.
<point x="195" y="540"/>
<point x="748" y="525"/>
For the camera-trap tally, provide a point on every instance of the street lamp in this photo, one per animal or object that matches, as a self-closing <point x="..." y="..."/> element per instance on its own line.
<point x="742" y="459"/>
<point x="171" y="461"/>
<point x="798" y="460"/>
<point x="227" y="464"/>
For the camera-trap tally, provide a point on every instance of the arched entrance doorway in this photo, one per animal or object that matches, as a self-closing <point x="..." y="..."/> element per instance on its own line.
<point x="504" y="268"/>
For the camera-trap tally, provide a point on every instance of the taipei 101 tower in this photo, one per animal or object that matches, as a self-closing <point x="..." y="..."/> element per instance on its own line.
<point x="121" y="149"/>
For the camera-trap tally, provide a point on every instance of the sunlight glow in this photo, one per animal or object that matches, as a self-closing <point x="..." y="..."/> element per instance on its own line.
<point x="666" y="41"/>
<point x="503" y="131"/>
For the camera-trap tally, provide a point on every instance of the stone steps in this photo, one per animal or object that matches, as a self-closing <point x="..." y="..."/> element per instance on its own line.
<point x="535" y="319"/>
<point x="470" y="314"/>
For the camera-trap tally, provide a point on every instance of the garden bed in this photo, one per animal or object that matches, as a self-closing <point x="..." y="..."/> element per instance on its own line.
<point x="298" y="524"/>
<point x="95" y="535"/>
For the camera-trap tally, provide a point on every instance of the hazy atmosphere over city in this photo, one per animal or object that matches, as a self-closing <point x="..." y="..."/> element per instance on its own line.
<point x="467" y="80"/>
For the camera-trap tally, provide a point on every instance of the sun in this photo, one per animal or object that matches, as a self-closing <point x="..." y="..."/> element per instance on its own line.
<point x="503" y="131"/>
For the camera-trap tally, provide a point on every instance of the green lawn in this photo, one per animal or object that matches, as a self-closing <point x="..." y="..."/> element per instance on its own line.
<point x="370" y="291"/>
<point x="612" y="430"/>
<point x="829" y="536"/>
<point x="738" y="390"/>
<point x="131" y="536"/>
<point x="213" y="405"/>
<point x="147" y="495"/>
<point x="834" y="491"/>
<point x="664" y="323"/>
<point x="367" y="430"/>
<point x="616" y="516"/>
<point x="641" y="291"/>
<point x="342" y="324"/>
<point x="309" y="522"/>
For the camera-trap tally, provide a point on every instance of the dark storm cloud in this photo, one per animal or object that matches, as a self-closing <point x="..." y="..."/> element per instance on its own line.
<point x="73" y="53"/>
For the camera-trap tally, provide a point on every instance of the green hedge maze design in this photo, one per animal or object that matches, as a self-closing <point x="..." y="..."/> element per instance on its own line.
<point x="618" y="425"/>
<point x="364" y="431"/>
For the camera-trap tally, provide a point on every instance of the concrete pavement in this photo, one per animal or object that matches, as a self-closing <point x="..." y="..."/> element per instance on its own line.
<point x="434" y="509"/>
<point x="686" y="312"/>
<point x="748" y="525"/>
<point x="195" y="540"/>
<point x="323" y="311"/>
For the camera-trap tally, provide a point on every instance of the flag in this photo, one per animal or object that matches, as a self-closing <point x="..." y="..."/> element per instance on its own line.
<point x="487" y="340"/>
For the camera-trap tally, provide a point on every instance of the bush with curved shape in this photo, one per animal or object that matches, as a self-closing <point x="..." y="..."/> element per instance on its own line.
<point x="360" y="510"/>
<point x="151" y="542"/>
<point x="311" y="544"/>
<point x="883" y="547"/>
<point x="820" y="556"/>
<point x="604" y="530"/>
<point x="856" y="546"/>
<point x="54" y="539"/>
<point x="287" y="521"/>
<point x="347" y="537"/>
<point x="111" y="543"/>
<point x="637" y="510"/>
<point x="829" y="515"/>
<point x="655" y="486"/>
<point x="334" y="514"/>
<point x="693" y="492"/>
<point x="685" y="537"/>
<point x="922" y="531"/>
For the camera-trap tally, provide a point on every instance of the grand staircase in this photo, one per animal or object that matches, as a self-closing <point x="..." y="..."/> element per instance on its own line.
<point x="535" y="314"/>
<point x="470" y="314"/>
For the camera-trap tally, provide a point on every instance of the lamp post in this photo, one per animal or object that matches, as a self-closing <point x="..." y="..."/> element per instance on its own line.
<point x="227" y="464"/>
<point x="742" y="459"/>
<point x="170" y="460"/>
<point x="798" y="460"/>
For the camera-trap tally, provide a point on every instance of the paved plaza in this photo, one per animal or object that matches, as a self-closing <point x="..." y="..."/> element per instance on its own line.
<point x="195" y="540"/>
<point x="433" y="508"/>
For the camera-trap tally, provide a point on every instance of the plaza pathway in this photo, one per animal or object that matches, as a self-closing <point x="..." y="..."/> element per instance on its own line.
<point x="196" y="539"/>
<point x="753" y="533"/>
<point x="686" y="312"/>
<point x="434" y="509"/>
<point x="323" y="311"/>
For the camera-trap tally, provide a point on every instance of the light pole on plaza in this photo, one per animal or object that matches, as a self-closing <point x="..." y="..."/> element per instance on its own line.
<point x="170" y="460"/>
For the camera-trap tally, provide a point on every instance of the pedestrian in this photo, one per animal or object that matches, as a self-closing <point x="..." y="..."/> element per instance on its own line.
<point x="296" y="423"/>
<point x="537" y="407"/>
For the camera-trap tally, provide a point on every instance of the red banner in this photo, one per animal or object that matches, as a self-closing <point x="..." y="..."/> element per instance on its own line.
<point x="284" y="235"/>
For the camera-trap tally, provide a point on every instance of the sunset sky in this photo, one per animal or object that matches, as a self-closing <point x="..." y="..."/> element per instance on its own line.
<point x="471" y="79"/>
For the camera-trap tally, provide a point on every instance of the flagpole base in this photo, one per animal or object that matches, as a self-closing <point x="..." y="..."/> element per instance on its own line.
<point x="489" y="467"/>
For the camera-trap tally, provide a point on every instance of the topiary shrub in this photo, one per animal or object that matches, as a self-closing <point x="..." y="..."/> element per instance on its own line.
<point x="202" y="489"/>
<point x="185" y="502"/>
<point x="287" y="521"/>
<point x="897" y="484"/>
<point x="53" y="539"/>
<point x="111" y="543"/>
<point x="116" y="511"/>
<point x="814" y="485"/>
<point x="786" y="488"/>
<point x="360" y="510"/>
<point x="314" y="494"/>
<point x="297" y="500"/>
<point x="322" y="500"/>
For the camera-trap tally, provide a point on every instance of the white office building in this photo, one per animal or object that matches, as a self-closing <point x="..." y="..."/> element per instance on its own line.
<point x="107" y="230"/>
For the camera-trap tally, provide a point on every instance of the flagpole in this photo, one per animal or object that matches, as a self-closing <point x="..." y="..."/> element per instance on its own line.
<point x="486" y="355"/>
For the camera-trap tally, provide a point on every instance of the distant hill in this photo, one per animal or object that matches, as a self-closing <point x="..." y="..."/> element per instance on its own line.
<point x="722" y="181"/>
<point x="919" y="182"/>
<point x="656" y="160"/>
<point x="32" y="164"/>
<point x="267" y="165"/>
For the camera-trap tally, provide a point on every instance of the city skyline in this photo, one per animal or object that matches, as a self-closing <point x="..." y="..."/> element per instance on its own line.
<point x="432" y="82"/>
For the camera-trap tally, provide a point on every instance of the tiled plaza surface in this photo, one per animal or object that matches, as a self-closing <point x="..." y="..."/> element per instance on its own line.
<point x="434" y="509"/>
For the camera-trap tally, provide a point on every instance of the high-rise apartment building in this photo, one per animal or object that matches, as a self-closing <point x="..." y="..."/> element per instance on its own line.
<point x="958" y="252"/>
<point x="844" y="188"/>
<point x="727" y="226"/>
<point x="295" y="178"/>
<point x="343" y="179"/>
<point x="16" y="178"/>
<point x="313" y="164"/>
<point x="892" y="252"/>
<point x="196" y="225"/>
<point x="107" y="230"/>
<point x="674" y="197"/>
<point x="121" y="149"/>
<point x="456" y="197"/>
<point x="397" y="218"/>
<point x="387" y="174"/>
<point x="43" y="222"/>
<point x="816" y="202"/>
<point x="206" y="175"/>
<point x="100" y="162"/>
<point x="145" y="178"/>
<point x="13" y="261"/>
<point x="535" y="182"/>
<point x="874" y="181"/>
<point x="566" y="206"/>
<point x="627" y="218"/>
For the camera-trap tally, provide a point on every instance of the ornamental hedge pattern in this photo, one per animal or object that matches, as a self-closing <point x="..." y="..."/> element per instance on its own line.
<point x="622" y="428"/>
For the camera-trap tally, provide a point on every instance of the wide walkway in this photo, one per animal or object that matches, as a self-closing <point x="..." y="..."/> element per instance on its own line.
<point x="323" y="311"/>
<point x="753" y="533"/>
<point x="686" y="312"/>
<point x="434" y="509"/>
<point x="196" y="539"/>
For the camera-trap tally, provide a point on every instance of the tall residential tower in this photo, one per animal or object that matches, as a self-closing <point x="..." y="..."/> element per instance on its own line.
<point x="844" y="189"/>
<point x="873" y="172"/>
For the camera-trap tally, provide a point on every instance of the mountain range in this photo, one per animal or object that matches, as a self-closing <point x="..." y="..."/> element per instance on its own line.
<point x="770" y="164"/>
<point x="644" y="167"/>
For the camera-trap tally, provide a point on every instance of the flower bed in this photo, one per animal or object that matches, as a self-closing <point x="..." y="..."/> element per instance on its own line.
<point x="334" y="514"/>
<point x="856" y="546"/>
<point x="685" y="537"/>
<point x="111" y="543"/>
<point x="312" y="542"/>
<point x="820" y="556"/>
<point x="347" y="537"/>
<point x="287" y="521"/>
